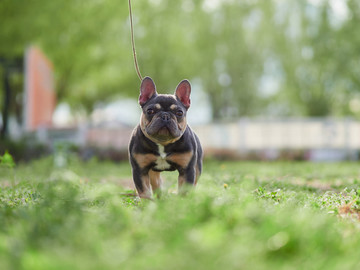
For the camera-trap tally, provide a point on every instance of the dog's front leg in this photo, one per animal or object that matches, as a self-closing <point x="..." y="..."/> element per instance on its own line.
<point x="142" y="183"/>
<point x="141" y="180"/>
<point x="186" y="179"/>
<point x="156" y="182"/>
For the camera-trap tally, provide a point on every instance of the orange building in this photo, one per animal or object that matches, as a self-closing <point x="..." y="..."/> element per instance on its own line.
<point x="39" y="94"/>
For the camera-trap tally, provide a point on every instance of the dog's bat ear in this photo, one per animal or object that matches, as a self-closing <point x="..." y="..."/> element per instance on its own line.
<point x="147" y="90"/>
<point x="183" y="91"/>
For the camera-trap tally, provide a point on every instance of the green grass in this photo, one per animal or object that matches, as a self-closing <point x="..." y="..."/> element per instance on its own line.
<point x="242" y="215"/>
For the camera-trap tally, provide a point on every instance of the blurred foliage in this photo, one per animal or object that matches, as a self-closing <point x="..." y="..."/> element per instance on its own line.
<point x="241" y="216"/>
<point x="25" y="149"/>
<point x="7" y="160"/>
<point x="252" y="57"/>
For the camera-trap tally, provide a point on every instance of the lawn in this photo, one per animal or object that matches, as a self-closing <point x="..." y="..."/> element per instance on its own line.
<point x="242" y="215"/>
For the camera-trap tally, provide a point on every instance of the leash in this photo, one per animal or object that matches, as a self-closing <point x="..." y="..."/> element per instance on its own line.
<point x="133" y="43"/>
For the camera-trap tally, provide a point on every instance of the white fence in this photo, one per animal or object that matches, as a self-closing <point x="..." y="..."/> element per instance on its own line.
<point x="262" y="134"/>
<point x="322" y="139"/>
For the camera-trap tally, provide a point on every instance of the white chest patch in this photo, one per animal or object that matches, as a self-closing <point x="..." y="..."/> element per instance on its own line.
<point x="161" y="163"/>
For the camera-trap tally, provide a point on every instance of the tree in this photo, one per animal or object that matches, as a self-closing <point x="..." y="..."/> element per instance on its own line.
<point x="229" y="45"/>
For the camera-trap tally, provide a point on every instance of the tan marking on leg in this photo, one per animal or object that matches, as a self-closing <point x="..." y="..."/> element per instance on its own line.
<point x="144" y="160"/>
<point x="155" y="181"/>
<point x="183" y="186"/>
<point x="146" y="193"/>
<point x="181" y="181"/>
<point x="197" y="174"/>
<point x="181" y="159"/>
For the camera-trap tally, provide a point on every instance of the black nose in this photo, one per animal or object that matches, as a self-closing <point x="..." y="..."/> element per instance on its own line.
<point x="165" y="117"/>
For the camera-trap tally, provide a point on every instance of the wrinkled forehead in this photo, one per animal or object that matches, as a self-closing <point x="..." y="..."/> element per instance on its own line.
<point x="165" y="102"/>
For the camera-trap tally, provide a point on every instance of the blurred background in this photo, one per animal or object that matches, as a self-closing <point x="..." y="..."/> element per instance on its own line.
<point x="270" y="79"/>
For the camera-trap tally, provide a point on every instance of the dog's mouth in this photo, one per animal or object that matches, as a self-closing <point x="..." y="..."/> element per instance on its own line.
<point x="164" y="131"/>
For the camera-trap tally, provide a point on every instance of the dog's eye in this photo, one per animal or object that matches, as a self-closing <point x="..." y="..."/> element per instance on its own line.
<point x="150" y="111"/>
<point x="179" y="113"/>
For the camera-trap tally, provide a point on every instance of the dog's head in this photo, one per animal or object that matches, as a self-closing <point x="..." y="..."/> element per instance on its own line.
<point x="163" y="118"/>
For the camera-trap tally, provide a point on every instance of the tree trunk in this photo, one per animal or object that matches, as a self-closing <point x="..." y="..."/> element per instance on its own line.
<point x="6" y="105"/>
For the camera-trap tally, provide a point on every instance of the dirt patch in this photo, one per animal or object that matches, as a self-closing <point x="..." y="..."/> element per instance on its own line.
<point x="348" y="211"/>
<point x="317" y="184"/>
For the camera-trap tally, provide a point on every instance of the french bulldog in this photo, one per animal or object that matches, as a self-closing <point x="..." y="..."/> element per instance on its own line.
<point x="163" y="141"/>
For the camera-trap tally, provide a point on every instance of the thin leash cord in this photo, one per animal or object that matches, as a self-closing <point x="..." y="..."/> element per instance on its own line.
<point x="133" y="43"/>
